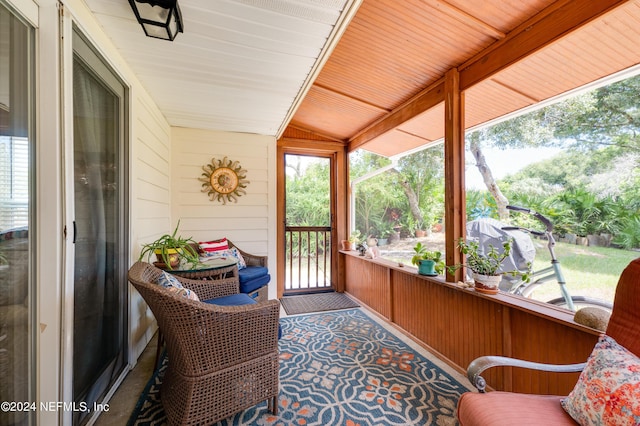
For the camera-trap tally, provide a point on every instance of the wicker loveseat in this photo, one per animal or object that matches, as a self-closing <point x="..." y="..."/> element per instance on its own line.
<point x="222" y="359"/>
<point x="255" y="277"/>
<point x="589" y="397"/>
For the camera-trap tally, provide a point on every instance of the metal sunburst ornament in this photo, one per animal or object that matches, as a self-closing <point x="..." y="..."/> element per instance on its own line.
<point x="224" y="180"/>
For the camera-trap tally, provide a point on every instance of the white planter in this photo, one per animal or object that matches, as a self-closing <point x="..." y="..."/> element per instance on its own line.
<point x="488" y="284"/>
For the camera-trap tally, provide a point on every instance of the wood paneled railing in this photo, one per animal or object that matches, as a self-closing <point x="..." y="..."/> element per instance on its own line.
<point x="459" y="324"/>
<point x="308" y="260"/>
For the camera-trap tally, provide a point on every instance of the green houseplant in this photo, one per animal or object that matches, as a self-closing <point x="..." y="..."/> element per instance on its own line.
<point x="170" y="249"/>
<point x="428" y="262"/>
<point x="486" y="266"/>
<point x="352" y="241"/>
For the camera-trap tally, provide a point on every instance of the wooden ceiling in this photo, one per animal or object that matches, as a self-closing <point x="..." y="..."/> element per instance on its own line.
<point x="382" y="88"/>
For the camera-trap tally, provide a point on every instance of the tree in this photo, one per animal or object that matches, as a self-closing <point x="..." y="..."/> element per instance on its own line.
<point x="607" y="116"/>
<point x="420" y="175"/>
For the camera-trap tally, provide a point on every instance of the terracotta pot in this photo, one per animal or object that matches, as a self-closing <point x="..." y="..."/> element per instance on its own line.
<point x="347" y="245"/>
<point x="488" y="284"/>
<point x="420" y="233"/>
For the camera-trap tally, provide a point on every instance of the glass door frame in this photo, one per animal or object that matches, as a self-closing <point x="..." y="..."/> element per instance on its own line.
<point x="318" y="230"/>
<point x="69" y="25"/>
<point x="339" y="201"/>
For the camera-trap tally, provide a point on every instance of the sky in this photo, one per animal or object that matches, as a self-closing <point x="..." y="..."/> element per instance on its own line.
<point x="504" y="162"/>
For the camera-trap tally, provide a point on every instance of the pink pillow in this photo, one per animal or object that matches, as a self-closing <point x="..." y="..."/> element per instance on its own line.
<point x="215" y="245"/>
<point x="608" y="390"/>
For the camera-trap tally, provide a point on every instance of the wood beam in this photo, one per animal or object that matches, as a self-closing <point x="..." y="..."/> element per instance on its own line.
<point x="551" y="24"/>
<point x="455" y="217"/>
<point x="467" y="18"/>
<point x="423" y="101"/>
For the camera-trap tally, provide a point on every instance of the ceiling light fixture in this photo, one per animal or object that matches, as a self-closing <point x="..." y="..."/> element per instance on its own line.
<point x="159" y="18"/>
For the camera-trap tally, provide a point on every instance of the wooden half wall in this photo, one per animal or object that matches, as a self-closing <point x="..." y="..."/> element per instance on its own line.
<point x="459" y="324"/>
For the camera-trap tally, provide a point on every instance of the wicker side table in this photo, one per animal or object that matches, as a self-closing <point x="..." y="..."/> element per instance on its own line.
<point x="213" y="269"/>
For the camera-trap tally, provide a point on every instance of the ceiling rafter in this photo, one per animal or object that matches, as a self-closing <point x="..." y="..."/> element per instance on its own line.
<point x="350" y="98"/>
<point x="515" y="90"/>
<point x="423" y="101"/>
<point x="549" y="25"/>
<point x="466" y="18"/>
<point x="321" y="135"/>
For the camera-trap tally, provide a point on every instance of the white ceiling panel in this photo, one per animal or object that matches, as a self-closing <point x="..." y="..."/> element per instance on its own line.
<point x="240" y="65"/>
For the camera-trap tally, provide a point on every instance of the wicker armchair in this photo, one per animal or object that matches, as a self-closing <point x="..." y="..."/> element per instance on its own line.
<point x="222" y="359"/>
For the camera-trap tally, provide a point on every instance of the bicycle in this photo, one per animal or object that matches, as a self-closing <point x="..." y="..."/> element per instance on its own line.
<point x="550" y="273"/>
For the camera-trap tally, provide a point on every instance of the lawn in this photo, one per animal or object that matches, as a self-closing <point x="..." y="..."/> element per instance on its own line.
<point x="589" y="271"/>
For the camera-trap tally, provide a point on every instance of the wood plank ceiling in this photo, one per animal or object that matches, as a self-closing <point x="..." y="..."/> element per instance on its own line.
<point x="381" y="89"/>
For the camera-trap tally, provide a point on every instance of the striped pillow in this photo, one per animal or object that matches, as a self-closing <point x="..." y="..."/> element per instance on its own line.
<point x="215" y="245"/>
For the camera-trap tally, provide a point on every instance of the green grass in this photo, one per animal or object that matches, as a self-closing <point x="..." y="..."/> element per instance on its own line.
<point x="588" y="271"/>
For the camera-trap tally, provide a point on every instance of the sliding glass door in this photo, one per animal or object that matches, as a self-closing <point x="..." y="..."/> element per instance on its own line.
<point x="100" y="285"/>
<point x="17" y="329"/>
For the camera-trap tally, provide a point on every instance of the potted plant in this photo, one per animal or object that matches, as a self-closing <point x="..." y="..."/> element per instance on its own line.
<point x="486" y="267"/>
<point x="428" y="262"/>
<point x="350" y="244"/>
<point x="171" y="249"/>
<point x="421" y="232"/>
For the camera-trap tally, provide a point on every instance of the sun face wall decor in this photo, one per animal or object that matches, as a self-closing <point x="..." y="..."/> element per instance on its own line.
<point x="224" y="180"/>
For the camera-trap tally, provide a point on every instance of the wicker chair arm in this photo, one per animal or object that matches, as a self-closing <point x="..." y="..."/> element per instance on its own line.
<point x="478" y="365"/>
<point x="251" y="259"/>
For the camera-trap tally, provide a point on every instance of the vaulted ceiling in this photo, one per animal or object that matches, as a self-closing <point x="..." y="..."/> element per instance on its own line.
<point x="370" y="73"/>
<point x="381" y="89"/>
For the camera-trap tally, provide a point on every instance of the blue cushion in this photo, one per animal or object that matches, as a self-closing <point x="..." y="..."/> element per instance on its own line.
<point x="252" y="272"/>
<point x="232" y="300"/>
<point x="249" y="286"/>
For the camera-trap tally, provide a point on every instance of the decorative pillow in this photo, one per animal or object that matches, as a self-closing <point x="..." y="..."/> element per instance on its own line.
<point x="215" y="245"/>
<point x="608" y="390"/>
<point x="232" y="253"/>
<point x="172" y="284"/>
<point x="241" y="262"/>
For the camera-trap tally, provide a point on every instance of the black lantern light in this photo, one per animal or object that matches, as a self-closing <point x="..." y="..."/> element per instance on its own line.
<point x="159" y="18"/>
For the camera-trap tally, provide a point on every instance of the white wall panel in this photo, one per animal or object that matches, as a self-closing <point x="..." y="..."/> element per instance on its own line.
<point x="250" y="222"/>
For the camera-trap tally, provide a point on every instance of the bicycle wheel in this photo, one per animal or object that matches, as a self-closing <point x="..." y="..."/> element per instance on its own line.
<point x="580" y="302"/>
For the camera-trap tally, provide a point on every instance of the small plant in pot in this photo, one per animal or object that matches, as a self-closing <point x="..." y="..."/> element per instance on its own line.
<point x="352" y="242"/>
<point x="171" y="250"/>
<point x="487" y="267"/>
<point x="428" y="262"/>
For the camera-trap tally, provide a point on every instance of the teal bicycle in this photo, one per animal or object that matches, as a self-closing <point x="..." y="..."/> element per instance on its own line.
<point x="552" y="273"/>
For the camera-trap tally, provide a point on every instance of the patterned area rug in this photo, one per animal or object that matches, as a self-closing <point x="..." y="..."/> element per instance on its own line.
<point x="342" y="368"/>
<point x="319" y="302"/>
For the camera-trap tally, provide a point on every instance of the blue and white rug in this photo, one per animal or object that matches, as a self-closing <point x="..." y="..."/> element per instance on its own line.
<point x="342" y="368"/>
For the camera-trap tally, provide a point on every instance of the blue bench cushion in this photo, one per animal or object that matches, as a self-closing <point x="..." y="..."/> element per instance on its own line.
<point x="251" y="273"/>
<point x="253" y="277"/>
